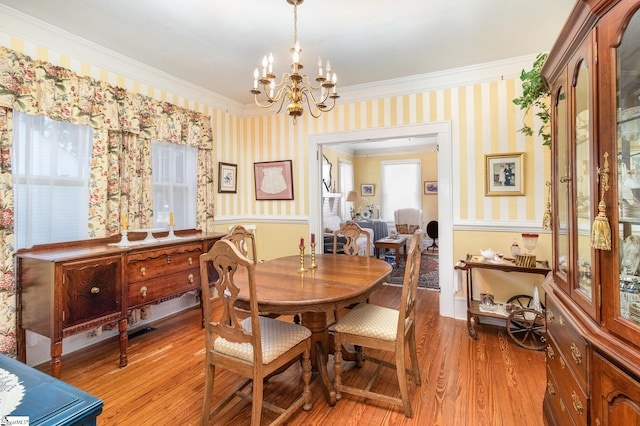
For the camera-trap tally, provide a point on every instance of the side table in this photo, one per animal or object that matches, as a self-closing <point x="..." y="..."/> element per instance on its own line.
<point x="392" y="244"/>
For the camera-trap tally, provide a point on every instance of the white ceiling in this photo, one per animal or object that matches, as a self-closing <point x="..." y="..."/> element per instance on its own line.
<point x="216" y="44"/>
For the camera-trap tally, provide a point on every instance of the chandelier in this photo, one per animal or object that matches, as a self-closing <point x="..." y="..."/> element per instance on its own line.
<point x="295" y="88"/>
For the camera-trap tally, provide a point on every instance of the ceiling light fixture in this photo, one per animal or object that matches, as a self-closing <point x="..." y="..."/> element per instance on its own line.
<point x="295" y="88"/>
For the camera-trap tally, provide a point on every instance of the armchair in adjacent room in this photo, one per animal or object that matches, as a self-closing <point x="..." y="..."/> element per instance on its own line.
<point x="407" y="221"/>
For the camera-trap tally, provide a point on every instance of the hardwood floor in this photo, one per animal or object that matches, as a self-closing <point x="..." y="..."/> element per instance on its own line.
<point x="490" y="381"/>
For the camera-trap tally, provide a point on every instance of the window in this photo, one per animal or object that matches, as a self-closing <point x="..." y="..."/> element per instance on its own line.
<point x="175" y="173"/>
<point x="346" y="185"/>
<point x="51" y="163"/>
<point x="401" y="186"/>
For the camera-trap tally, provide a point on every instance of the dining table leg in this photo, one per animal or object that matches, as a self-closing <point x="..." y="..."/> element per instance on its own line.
<point x="316" y="322"/>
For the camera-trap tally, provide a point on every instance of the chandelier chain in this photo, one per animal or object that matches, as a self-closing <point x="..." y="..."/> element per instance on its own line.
<point x="295" y="22"/>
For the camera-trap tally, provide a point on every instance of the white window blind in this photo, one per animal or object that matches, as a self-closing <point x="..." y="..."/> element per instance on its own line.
<point x="401" y="186"/>
<point x="175" y="172"/>
<point x="51" y="165"/>
<point x="346" y="185"/>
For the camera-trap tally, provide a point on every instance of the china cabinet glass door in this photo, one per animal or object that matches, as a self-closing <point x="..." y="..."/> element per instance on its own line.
<point x="628" y="153"/>
<point x="582" y="168"/>
<point x="562" y="183"/>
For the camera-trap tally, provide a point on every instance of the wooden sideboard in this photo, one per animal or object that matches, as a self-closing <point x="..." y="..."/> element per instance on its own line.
<point x="67" y="288"/>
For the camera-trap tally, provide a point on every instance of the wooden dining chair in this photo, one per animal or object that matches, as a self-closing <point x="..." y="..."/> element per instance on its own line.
<point x="255" y="347"/>
<point x="382" y="328"/>
<point x="352" y="232"/>
<point x="243" y="239"/>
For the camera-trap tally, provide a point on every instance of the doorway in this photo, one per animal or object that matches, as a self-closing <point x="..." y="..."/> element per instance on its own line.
<point x="441" y="131"/>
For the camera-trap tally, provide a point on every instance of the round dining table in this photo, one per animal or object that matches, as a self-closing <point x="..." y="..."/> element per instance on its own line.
<point x="337" y="281"/>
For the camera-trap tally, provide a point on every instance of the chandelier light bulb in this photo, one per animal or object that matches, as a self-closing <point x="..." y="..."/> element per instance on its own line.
<point x="270" y="63"/>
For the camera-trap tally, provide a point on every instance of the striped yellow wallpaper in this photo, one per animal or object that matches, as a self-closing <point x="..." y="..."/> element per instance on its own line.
<point x="483" y="120"/>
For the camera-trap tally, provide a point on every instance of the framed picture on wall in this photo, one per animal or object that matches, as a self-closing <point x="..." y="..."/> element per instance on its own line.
<point x="274" y="180"/>
<point x="430" y="187"/>
<point x="366" y="190"/>
<point x="227" y="177"/>
<point x="504" y="174"/>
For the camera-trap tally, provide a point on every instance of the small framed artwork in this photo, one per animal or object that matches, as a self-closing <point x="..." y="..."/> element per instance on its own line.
<point x="430" y="187"/>
<point x="227" y="177"/>
<point x="366" y="190"/>
<point x="274" y="180"/>
<point x="504" y="174"/>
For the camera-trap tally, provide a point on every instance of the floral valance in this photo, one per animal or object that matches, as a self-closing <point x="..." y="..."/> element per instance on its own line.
<point x="38" y="87"/>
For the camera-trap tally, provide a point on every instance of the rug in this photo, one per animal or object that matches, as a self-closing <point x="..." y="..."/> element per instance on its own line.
<point x="428" y="272"/>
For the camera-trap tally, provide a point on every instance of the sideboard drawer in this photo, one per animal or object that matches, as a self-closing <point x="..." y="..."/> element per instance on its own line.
<point x="158" y="289"/>
<point x="570" y="342"/>
<point x="157" y="263"/>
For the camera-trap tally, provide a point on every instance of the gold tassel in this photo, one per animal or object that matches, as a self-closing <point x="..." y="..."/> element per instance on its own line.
<point x="601" y="231"/>
<point x="546" y="218"/>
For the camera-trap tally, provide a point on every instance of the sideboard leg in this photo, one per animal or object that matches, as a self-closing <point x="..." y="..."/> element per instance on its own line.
<point x="56" y="358"/>
<point x="122" y="328"/>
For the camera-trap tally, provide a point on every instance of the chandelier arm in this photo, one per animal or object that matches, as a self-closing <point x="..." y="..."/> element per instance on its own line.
<point x="280" y="107"/>
<point x="280" y="86"/>
<point x="278" y="96"/>
<point x="270" y="100"/>
<point x="307" y="80"/>
<point x="326" y="108"/>
<point x="313" y="109"/>
<point x="311" y="94"/>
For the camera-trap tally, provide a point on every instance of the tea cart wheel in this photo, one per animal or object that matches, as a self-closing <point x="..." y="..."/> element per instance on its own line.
<point x="527" y="328"/>
<point x="523" y="301"/>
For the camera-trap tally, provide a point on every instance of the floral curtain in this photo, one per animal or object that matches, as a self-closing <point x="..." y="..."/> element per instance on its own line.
<point x="124" y="124"/>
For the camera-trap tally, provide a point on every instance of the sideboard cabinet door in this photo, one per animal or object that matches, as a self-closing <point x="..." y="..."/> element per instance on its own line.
<point x="91" y="289"/>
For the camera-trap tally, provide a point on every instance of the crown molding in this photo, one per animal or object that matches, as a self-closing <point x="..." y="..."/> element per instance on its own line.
<point x="455" y="77"/>
<point x="39" y="33"/>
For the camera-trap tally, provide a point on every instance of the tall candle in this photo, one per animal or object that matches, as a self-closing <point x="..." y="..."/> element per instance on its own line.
<point x="313" y="238"/>
<point x="301" y="242"/>
<point x="123" y="222"/>
<point x="170" y="218"/>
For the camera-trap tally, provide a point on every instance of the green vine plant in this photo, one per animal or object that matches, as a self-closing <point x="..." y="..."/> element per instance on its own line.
<point x="535" y="94"/>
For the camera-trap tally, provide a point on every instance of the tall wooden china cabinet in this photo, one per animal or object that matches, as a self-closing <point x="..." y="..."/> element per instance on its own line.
<point x="593" y="296"/>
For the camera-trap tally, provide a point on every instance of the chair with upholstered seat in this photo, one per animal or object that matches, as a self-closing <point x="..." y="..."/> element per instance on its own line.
<point x="255" y="347"/>
<point x="357" y="239"/>
<point x="382" y="328"/>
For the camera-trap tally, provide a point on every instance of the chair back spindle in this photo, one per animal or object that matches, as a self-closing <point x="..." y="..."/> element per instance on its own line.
<point x="351" y="231"/>
<point x="244" y="240"/>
